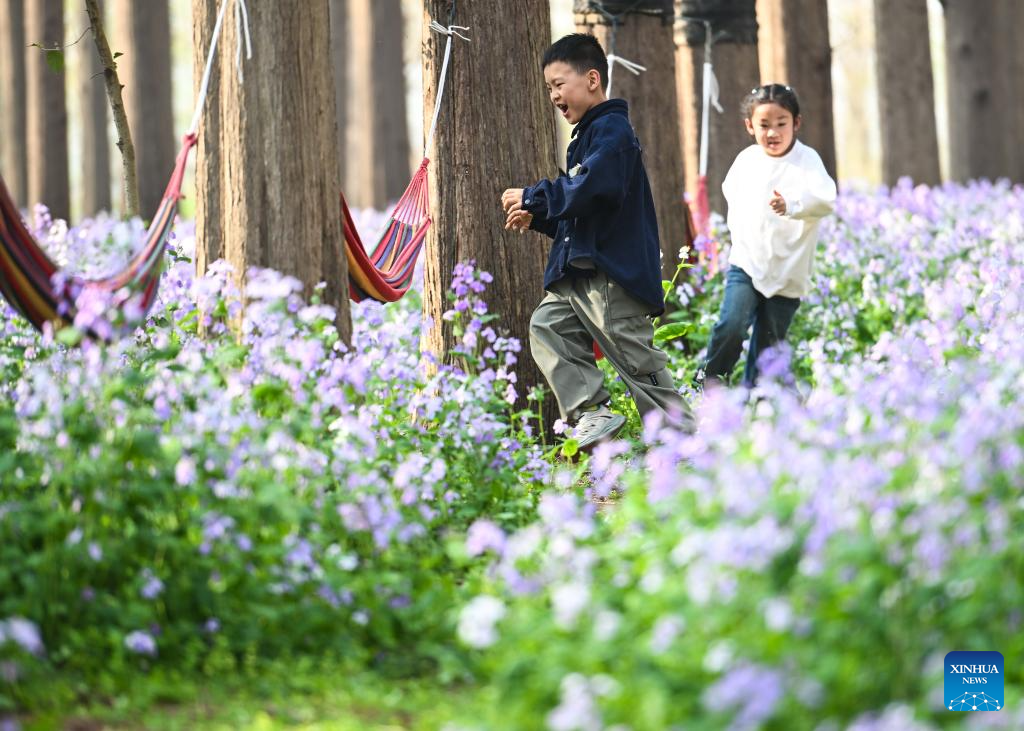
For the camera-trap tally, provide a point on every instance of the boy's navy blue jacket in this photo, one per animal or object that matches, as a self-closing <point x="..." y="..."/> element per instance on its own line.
<point x="605" y="210"/>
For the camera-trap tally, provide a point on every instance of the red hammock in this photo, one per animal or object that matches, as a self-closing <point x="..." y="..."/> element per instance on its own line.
<point x="27" y="273"/>
<point x="385" y="274"/>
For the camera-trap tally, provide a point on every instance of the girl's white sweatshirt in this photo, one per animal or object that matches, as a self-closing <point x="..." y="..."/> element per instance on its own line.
<point x="777" y="251"/>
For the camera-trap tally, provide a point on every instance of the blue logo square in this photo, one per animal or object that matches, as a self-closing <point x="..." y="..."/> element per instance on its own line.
<point x="974" y="681"/>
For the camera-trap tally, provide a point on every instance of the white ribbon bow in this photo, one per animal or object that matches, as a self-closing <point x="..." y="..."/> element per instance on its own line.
<point x="630" y="66"/>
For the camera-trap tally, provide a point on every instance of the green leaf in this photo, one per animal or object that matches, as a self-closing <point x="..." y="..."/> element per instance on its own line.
<point x="55" y="60"/>
<point x="672" y="331"/>
<point x="666" y="287"/>
<point x="69" y="336"/>
<point x="570" y="448"/>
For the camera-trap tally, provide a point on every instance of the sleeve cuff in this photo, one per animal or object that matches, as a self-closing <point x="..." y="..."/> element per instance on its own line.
<point x="531" y="204"/>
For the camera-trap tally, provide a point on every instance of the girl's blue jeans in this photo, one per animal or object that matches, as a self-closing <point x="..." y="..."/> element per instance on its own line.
<point x="743" y="307"/>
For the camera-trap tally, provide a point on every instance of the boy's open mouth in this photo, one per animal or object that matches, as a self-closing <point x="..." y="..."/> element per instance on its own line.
<point x="564" y="109"/>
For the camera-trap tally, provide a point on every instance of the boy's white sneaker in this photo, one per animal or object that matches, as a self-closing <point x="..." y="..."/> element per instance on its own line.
<point x="597" y="425"/>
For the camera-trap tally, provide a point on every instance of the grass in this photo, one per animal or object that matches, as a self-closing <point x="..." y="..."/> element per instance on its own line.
<point x="304" y="699"/>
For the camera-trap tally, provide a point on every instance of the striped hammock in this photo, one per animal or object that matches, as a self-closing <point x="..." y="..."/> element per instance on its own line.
<point x="27" y="274"/>
<point x="385" y="274"/>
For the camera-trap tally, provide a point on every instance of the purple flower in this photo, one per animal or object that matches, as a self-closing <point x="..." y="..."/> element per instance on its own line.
<point x="484" y="536"/>
<point x="23" y="633"/>
<point x="185" y="471"/>
<point x="140" y="642"/>
<point x="153" y="587"/>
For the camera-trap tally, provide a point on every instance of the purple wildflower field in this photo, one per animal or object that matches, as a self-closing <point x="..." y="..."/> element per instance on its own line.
<point x="187" y="501"/>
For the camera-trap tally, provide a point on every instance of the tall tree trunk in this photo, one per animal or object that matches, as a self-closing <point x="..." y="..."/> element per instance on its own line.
<point x="47" y="117"/>
<point x="906" y="93"/>
<point x="794" y="49"/>
<point x="1011" y="21"/>
<point x="339" y="60"/>
<point x="981" y="122"/>
<point x="469" y="173"/>
<point x="92" y="96"/>
<point x="209" y="166"/>
<point x="13" y="139"/>
<point x="645" y="36"/>
<point x="377" y="140"/>
<point x="278" y="162"/>
<point x="734" y="55"/>
<point x="144" y="37"/>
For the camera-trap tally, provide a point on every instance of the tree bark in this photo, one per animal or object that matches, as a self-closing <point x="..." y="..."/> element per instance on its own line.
<point x="906" y="92"/>
<point x="647" y="39"/>
<point x="339" y="60"/>
<point x="13" y="137"/>
<point x="471" y="167"/>
<point x="734" y="55"/>
<point x="47" y="118"/>
<point x="95" y="143"/>
<point x="377" y="139"/>
<point x="209" y="218"/>
<point x="144" y="37"/>
<point x="794" y="48"/>
<point x="278" y="162"/>
<point x="981" y="119"/>
<point x="1011" y="21"/>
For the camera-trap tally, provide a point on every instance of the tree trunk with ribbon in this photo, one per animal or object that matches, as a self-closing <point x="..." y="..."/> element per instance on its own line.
<point x="13" y="132"/>
<point x="642" y="36"/>
<point x="277" y="168"/>
<point x="794" y="48"/>
<point x="733" y="50"/>
<point x="906" y="92"/>
<point x="484" y="144"/>
<point x="47" y="118"/>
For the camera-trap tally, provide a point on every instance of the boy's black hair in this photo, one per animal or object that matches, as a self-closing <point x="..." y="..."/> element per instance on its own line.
<point x="784" y="96"/>
<point x="581" y="51"/>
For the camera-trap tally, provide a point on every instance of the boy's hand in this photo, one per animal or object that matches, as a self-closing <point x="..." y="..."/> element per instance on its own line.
<point x="518" y="221"/>
<point x="512" y="200"/>
<point x="512" y="204"/>
<point x="778" y="203"/>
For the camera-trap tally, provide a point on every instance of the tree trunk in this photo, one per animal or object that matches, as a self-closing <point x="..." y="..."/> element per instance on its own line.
<point x="92" y="96"/>
<point x="646" y="38"/>
<point x="377" y="137"/>
<point x="209" y="166"/>
<point x="1011" y="21"/>
<point x="13" y="139"/>
<point x="339" y="60"/>
<point x="277" y="166"/>
<point x="906" y="94"/>
<point x="794" y="49"/>
<point x="144" y="37"/>
<point x="981" y="124"/>
<point x="734" y="55"/>
<point x="486" y="143"/>
<point x="47" y="118"/>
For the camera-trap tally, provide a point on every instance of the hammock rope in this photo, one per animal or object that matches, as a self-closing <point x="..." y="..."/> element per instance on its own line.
<point x="385" y="273"/>
<point x="33" y="284"/>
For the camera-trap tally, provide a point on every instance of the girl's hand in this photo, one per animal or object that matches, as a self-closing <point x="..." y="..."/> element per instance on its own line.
<point x="778" y="203"/>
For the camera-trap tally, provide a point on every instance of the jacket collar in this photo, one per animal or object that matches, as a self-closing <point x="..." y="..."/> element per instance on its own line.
<point x="610" y="106"/>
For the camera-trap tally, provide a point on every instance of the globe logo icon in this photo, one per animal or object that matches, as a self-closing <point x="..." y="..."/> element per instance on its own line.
<point x="974" y="702"/>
